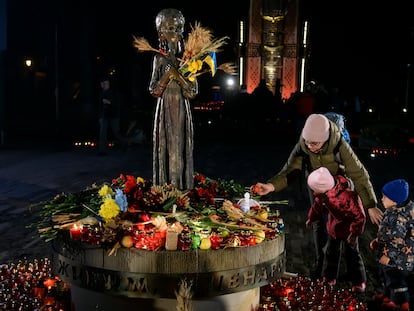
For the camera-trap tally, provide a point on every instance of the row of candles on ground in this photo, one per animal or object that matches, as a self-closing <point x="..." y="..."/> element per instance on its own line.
<point x="303" y="294"/>
<point x="31" y="286"/>
<point x="176" y="237"/>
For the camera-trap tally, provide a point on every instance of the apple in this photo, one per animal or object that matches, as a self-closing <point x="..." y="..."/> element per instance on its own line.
<point x="260" y="236"/>
<point x="263" y="213"/>
<point x="224" y="233"/>
<point x="256" y="189"/>
<point x="205" y="243"/>
<point x="127" y="241"/>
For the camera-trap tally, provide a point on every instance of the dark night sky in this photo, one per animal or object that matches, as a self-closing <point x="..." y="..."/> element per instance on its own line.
<point x="363" y="46"/>
<point x="359" y="49"/>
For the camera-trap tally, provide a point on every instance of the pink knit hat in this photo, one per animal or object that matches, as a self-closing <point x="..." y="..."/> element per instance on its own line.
<point x="321" y="180"/>
<point x="316" y="128"/>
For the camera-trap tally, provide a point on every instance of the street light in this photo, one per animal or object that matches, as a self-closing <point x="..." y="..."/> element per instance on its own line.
<point x="28" y="62"/>
<point x="230" y="83"/>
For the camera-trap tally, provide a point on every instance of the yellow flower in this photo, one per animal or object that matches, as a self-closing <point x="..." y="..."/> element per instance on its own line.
<point x="105" y="191"/>
<point x="109" y="209"/>
<point x="195" y="66"/>
<point x="140" y="180"/>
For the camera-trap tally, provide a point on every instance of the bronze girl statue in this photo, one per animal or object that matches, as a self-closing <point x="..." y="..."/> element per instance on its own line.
<point x="173" y="125"/>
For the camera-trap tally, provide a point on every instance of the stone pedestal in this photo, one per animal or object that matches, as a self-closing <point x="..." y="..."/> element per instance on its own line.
<point x="87" y="300"/>
<point x="225" y="279"/>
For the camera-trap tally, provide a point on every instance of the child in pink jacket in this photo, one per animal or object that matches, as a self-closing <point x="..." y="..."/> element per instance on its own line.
<point x="346" y="221"/>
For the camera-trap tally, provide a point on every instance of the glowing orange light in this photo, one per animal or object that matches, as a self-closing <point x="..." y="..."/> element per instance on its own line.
<point x="288" y="290"/>
<point x="49" y="283"/>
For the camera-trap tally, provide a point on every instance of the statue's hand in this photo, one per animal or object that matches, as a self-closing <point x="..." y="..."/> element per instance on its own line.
<point x="173" y="72"/>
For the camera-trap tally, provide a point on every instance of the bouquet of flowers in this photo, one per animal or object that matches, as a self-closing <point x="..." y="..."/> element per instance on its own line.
<point x="128" y="198"/>
<point x="200" y="49"/>
<point x="132" y="211"/>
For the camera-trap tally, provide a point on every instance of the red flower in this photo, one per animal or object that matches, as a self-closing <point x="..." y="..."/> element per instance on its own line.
<point x="199" y="179"/>
<point x="200" y="192"/>
<point x="119" y="181"/>
<point x="131" y="183"/>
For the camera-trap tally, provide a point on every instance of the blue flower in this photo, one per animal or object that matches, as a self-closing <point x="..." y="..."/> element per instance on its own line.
<point x="121" y="200"/>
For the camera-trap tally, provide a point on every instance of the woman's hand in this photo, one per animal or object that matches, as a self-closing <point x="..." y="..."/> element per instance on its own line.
<point x="384" y="260"/>
<point x="375" y="214"/>
<point x="262" y="189"/>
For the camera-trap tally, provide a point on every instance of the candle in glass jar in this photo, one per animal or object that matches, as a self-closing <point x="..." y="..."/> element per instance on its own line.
<point x="245" y="203"/>
<point x="184" y="241"/>
<point x="195" y="240"/>
<point x="75" y="232"/>
<point x="171" y="240"/>
<point x="216" y="239"/>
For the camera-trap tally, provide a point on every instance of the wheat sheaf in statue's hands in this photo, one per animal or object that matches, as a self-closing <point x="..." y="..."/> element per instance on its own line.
<point x="200" y="49"/>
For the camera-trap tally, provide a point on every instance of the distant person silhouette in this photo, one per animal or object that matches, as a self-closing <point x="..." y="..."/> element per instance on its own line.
<point x="304" y="106"/>
<point x="109" y="116"/>
<point x="262" y="112"/>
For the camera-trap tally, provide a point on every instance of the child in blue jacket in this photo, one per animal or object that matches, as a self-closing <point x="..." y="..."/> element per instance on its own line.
<point x="395" y="245"/>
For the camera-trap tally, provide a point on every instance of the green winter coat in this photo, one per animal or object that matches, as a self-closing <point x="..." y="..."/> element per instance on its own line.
<point x="340" y="160"/>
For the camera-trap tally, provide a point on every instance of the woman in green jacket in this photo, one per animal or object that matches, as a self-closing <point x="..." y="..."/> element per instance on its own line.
<point x="321" y="144"/>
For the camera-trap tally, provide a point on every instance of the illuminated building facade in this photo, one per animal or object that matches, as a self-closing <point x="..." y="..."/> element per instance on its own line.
<point x="275" y="47"/>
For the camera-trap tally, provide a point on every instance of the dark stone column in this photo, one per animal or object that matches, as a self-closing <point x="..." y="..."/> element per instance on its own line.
<point x="3" y="47"/>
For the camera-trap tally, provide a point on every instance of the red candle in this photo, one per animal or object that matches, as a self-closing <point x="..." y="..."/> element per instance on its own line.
<point x="75" y="232"/>
<point x="216" y="239"/>
<point x="39" y="292"/>
<point x="171" y="239"/>
<point x="49" y="283"/>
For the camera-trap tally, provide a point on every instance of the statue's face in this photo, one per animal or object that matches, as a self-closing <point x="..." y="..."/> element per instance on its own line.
<point x="170" y="25"/>
<point x="170" y="36"/>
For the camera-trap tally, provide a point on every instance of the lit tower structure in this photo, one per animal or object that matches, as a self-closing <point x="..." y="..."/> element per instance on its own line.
<point x="275" y="50"/>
